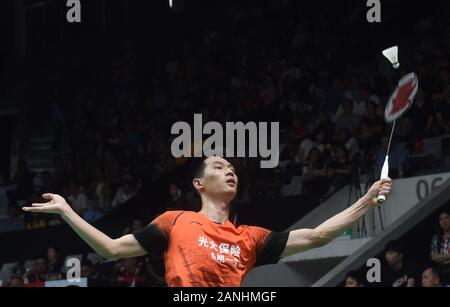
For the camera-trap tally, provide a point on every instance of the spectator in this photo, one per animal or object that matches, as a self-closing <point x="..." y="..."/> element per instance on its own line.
<point x="315" y="182"/>
<point x="398" y="273"/>
<point x="37" y="221"/>
<point x="131" y="274"/>
<point x="16" y="282"/>
<point x="54" y="263"/>
<point x="317" y="140"/>
<point x="339" y="170"/>
<point x="350" y="141"/>
<point x="421" y="115"/>
<point x="125" y="192"/>
<point x="440" y="246"/>
<point x="398" y="158"/>
<point x="372" y="127"/>
<point x="94" y="279"/>
<point x="353" y="279"/>
<point x="135" y="225"/>
<point x="93" y="212"/>
<point x="37" y="276"/>
<point x="176" y="199"/>
<point x="77" y="198"/>
<point x="430" y="278"/>
<point x="347" y="119"/>
<point x="297" y="132"/>
<point x="54" y="276"/>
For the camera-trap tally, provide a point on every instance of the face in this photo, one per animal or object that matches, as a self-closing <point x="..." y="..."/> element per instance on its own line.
<point x="85" y="271"/>
<point x="40" y="266"/>
<point x="339" y="153"/>
<point x="392" y="257"/>
<point x="173" y="190"/>
<point x="429" y="279"/>
<point x="16" y="282"/>
<point x="444" y="221"/>
<point x="51" y="253"/>
<point x="350" y="282"/>
<point x="219" y="179"/>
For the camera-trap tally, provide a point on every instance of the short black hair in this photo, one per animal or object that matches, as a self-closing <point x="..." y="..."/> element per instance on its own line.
<point x="199" y="168"/>
<point x="433" y="269"/>
<point x="87" y="262"/>
<point x="356" y="275"/>
<point x="394" y="246"/>
<point x="445" y="210"/>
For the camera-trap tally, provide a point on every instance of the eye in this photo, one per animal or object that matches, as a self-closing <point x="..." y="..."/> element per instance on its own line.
<point x="218" y="167"/>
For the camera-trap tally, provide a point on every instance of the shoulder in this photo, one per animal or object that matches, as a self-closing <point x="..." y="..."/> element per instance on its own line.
<point x="256" y="233"/>
<point x="172" y="213"/>
<point x="435" y="238"/>
<point x="171" y="216"/>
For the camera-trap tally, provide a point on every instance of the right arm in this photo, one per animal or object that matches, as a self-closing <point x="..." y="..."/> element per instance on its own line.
<point x="123" y="247"/>
<point x="440" y="258"/>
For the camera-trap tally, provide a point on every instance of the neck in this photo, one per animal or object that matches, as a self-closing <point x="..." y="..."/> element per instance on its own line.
<point x="447" y="233"/>
<point x="215" y="210"/>
<point x="397" y="266"/>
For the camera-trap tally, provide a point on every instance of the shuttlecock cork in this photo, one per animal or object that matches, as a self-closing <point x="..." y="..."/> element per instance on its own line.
<point x="392" y="55"/>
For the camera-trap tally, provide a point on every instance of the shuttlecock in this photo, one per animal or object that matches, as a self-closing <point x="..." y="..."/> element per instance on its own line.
<point x="392" y="55"/>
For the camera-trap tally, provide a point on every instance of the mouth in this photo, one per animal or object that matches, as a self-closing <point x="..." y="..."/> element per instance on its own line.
<point x="231" y="182"/>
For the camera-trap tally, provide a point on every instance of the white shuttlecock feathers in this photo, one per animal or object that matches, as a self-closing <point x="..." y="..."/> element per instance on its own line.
<point x="392" y="55"/>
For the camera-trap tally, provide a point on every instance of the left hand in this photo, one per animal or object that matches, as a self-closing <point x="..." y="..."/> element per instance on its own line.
<point x="382" y="186"/>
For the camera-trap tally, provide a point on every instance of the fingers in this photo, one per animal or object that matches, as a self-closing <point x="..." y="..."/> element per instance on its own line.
<point x="47" y="196"/>
<point x="32" y="209"/>
<point x="385" y="189"/>
<point x="385" y="192"/>
<point x="385" y="180"/>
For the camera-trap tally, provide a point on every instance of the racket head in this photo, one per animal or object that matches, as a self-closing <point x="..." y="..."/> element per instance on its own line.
<point x="402" y="97"/>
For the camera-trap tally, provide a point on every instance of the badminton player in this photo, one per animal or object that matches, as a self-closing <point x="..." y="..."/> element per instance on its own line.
<point x="204" y="248"/>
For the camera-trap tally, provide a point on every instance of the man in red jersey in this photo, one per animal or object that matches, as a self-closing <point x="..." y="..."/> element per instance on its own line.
<point x="204" y="248"/>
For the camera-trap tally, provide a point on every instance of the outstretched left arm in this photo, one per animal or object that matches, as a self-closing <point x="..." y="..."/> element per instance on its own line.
<point x="303" y="239"/>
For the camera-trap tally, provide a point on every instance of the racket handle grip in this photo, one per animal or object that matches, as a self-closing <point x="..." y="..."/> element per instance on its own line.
<point x="384" y="174"/>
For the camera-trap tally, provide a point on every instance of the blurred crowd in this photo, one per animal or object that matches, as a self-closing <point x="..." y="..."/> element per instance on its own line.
<point x="112" y="107"/>
<point x="52" y="266"/>
<point x="114" y="111"/>
<point x="401" y="269"/>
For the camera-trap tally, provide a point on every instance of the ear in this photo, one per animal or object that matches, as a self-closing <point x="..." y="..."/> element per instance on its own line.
<point x="198" y="184"/>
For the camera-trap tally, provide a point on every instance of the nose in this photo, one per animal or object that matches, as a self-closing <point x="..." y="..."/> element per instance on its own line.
<point x="229" y="172"/>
